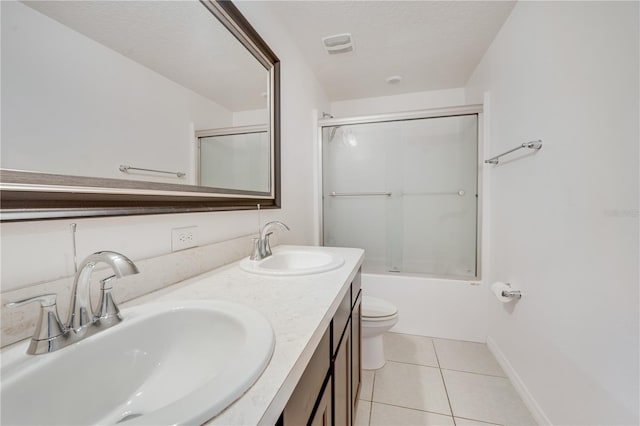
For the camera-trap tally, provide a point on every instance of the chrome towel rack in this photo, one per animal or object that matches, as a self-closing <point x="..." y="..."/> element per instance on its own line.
<point x="125" y="169"/>
<point x="531" y="145"/>
<point x="360" y="194"/>
<point x="459" y="193"/>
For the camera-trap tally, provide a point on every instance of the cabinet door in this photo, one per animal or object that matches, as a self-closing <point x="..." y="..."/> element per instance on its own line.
<point x="299" y="409"/>
<point x="322" y="416"/>
<point x="356" y="352"/>
<point x="342" y="381"/>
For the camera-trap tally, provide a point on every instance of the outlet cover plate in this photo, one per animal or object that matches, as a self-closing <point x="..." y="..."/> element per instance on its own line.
<point x="184" y="238"/>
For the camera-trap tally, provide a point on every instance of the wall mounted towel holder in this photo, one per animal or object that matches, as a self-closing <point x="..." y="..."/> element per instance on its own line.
<point x="531" y="145"/>
<point x="125" y="169"/>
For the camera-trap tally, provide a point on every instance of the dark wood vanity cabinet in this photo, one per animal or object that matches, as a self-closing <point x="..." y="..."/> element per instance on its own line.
<point x="328" y="390"/>
<point x="341" y="364"/>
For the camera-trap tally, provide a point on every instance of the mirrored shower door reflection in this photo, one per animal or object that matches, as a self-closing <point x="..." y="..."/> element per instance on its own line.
<point x="406" y="192"/>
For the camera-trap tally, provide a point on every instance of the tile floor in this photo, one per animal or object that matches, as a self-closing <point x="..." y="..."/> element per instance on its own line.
<point x="428" y="381"/>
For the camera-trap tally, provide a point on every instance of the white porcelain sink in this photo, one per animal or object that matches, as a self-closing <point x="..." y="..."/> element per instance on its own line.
<point x="164" y="364"/>
<point x="294" y="261"/>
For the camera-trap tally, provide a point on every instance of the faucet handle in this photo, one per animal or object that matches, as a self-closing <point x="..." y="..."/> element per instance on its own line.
<point x="108" y="313"/>
<point x="48" y="327"/>
<point x="44" y="299"/>
<point x="266" y="249"/>
<point x="256" y="253"/>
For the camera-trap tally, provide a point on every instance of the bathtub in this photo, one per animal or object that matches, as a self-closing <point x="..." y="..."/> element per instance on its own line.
<point x="435" y="307"/>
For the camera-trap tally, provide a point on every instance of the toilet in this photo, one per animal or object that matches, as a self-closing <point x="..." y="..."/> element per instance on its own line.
<point x="378" y="316"/>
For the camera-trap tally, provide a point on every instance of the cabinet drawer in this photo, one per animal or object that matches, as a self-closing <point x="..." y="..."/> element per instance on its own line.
<point x="300" y="406"/>
<point x="340" y="320"/>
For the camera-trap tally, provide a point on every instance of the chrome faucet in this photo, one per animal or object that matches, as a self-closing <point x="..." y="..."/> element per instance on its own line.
<point x="51" y="334"/>
<point x="80" y="314"/>
<point x="261" y="246"/>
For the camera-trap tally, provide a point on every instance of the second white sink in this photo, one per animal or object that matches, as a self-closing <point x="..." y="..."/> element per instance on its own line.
<point x="294" y="261"/>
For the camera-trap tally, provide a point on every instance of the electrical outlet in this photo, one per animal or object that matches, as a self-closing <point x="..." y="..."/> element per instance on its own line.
<point x="184" y="238"/>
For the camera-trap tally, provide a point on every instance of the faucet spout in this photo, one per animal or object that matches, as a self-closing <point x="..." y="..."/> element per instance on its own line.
<point x="80" y="312"/>
<point x="267" y="228"/>
<point x="262" y="248"/>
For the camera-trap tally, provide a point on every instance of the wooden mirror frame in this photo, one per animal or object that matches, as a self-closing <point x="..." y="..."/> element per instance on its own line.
<point x="36" y="196"/>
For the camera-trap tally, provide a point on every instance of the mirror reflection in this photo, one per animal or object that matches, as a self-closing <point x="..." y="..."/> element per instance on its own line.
<point x="107" y="88"/>
<point x="236" y="158"/>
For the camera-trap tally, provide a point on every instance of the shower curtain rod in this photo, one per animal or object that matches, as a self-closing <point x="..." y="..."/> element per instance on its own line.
<point x="459" y="193"/>
<point x="398" y="116"/>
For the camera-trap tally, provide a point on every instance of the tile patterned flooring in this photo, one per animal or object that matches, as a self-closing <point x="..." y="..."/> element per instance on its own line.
<point x="428" y="381"/>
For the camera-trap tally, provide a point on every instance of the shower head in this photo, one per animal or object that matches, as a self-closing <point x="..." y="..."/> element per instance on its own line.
<point x="333" y="132"/>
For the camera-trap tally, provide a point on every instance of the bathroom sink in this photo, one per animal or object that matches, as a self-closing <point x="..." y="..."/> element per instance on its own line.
<point x="165" y="363"/>
<point x="294" y="261"/>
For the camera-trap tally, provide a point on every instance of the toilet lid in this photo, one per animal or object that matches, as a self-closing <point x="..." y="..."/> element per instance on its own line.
<point x="372" y="307"/>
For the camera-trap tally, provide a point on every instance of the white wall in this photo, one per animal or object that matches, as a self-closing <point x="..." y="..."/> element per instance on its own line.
<point x="398" y="103"/>
<point x="41" y="250"/>
<point x="73" y="106"/>
<point x="564" y="222"/>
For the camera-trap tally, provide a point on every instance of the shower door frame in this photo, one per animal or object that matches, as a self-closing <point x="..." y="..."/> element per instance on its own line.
<point x="413" y="115"/>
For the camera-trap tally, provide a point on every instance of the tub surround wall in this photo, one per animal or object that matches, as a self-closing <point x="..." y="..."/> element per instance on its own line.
<point x="564" y="222"/>
<point x="433" y="307"/>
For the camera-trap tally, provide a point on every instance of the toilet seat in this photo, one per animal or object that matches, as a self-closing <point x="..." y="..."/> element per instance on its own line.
<point x="374" y="309"/>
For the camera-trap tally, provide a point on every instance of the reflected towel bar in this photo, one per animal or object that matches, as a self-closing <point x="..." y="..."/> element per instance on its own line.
<point x="531" y="145"/>
<point x="360" y="194"/>
<point x="125" y="169"/>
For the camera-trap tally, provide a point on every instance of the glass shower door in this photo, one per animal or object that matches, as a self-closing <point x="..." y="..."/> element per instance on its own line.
<point x="405" y="191"/>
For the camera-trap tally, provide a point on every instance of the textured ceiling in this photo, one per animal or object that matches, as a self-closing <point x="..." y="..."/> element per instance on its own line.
<point x="180" y="40"/>
<point x="431" y="44"/>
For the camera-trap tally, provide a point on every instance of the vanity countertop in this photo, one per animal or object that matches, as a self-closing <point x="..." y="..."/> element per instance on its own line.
<point x="299" y="308"/>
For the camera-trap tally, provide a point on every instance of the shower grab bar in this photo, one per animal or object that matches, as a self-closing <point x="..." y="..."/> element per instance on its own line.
<point x="531" y="145"/>
<point x="125" y="169"/>
<point x="360" y="194"/>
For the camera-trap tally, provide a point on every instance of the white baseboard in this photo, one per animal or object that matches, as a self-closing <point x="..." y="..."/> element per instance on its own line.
<point x="536" y="411"/>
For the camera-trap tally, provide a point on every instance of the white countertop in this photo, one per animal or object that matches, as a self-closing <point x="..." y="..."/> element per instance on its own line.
<point x="299" y="309"/>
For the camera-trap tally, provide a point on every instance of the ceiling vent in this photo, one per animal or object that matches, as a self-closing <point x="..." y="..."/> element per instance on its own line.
<point x="339" y="43"/>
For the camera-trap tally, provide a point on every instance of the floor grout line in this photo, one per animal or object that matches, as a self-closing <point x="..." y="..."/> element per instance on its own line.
<point x="373" y="388"/>
<point x="443" y="382"/>
<point x="448" y="369"/>
<point x="411" y="408"/>
<point x="413" y="363"/>
<point x="479" y="421"/>
<point x="438" y="338"/>
<point x="473" y="372"/>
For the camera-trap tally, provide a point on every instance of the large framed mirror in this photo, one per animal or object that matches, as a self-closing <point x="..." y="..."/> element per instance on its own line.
<point x="106" y="107"/>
